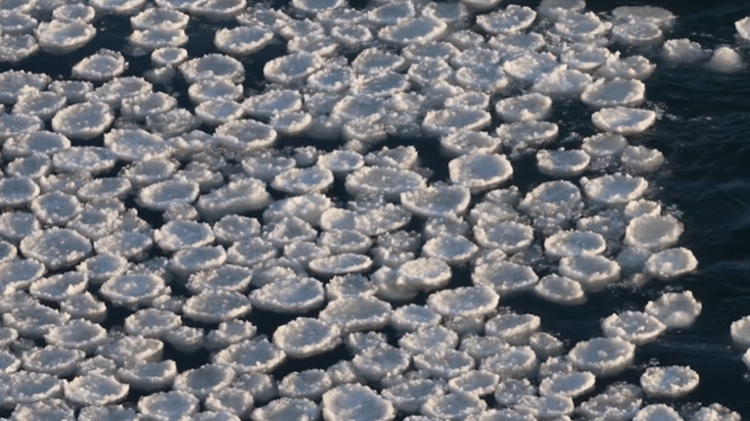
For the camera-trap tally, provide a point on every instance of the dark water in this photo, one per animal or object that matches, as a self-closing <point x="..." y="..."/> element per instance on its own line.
<point x="705" y="137"/>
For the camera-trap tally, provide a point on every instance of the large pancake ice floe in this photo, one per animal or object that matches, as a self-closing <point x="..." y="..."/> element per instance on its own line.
<point x="623" y="120"/>
<point x="83" y="121"/>
<point x="562" y="163"/>
<point x="675" y="310"/>
<point x="602" y="356"/>
<point x="653" y="232"/>
<point x="669" y="382"/>
<point x="633" y="326"/>
<point x="614" y="189"/>
<point x="57" y="248"/>
<point x="452" y="120"/>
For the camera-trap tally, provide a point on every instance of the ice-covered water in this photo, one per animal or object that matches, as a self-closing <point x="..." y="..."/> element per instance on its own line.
<point x="373" y="210"/>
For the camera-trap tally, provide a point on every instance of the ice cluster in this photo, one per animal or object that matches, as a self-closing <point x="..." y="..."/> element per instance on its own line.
<point x="170" y="257"/>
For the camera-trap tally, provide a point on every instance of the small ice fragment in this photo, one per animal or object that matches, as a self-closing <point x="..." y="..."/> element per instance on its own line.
<point x="230" y="332"/>
<point x="641" y="207"/>
<point x="409" y="395"/>
<point x="467" y="142"/>
<point x="55" y="208"/>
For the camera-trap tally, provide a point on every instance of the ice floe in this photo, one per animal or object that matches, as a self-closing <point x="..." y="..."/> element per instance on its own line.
<point x="669" y="382"/>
